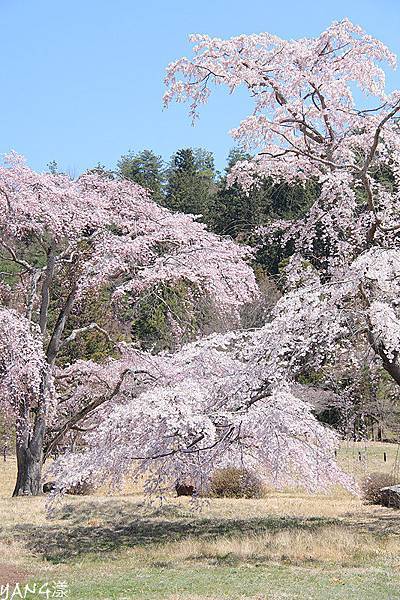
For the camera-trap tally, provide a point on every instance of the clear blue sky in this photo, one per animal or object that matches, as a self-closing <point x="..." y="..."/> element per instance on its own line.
<point x="82" y="80"/>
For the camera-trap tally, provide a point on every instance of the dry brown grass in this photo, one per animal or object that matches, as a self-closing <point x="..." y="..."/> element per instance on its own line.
<point x="8" y="471"/>
<point x="350" y="539"/>
<point x="332" y="544"/>
<point x="283" y="528"/>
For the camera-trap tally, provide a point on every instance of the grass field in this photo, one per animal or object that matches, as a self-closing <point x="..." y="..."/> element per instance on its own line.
<point x="288" y="545"/>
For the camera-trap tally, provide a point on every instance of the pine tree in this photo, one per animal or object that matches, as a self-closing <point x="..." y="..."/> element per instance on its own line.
<point x="191" y="182"/>
<point x="145" y="168"/>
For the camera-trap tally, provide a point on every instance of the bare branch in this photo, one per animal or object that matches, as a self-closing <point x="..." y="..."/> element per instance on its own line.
<point x="15" y="258"/>
<point x="92" y="326"/>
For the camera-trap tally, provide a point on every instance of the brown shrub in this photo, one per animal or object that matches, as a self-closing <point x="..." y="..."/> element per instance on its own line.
<point x="183" y="488"/>
<point x="233" y="482"/>
<point x="372" y="484"/>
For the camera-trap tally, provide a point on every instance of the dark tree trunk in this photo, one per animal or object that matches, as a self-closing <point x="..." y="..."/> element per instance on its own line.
<point x="30" y="438"/>
<point x="29" y="447"/>
<point x="30" y="460"/>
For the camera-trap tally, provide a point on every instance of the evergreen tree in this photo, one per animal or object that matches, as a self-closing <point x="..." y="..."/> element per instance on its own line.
<point x="191" y="182"/>
<point x="236" y="213"/>
<point x="145" y="168"/>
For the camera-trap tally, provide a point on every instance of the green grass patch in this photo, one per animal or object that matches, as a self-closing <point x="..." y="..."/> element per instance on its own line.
<point x="248" y="581"/>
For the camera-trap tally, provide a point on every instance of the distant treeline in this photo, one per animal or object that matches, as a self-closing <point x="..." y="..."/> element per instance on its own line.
<point x="190" y="183"/>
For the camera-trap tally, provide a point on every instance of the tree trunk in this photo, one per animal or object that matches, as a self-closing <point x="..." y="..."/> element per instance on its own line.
<point x="30" y="459"/>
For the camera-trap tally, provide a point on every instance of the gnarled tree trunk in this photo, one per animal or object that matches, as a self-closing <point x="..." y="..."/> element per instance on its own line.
<point x="30" y="460"/>
<point x="29" y="444"/>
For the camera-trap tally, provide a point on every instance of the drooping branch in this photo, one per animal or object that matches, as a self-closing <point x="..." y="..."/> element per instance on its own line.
<point x="390" y="363"/>
<point x="378" y="131"/>
<point x="87" y="410"/>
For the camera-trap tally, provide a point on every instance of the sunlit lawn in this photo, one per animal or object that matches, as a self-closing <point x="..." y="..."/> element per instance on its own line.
<point x="287" y="545"/>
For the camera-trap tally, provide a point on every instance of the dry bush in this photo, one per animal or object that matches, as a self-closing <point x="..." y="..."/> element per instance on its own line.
<point x="232" y="482"/>
<point x="372" y="484"/>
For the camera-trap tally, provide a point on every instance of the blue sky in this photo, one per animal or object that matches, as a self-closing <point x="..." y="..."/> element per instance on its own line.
<point x="82" y="80"/>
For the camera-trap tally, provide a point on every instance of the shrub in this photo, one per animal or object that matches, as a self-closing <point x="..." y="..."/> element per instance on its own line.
<point x="184" y="488"/>
<point x="232" y="482"/>
<point x="372" y="484"/>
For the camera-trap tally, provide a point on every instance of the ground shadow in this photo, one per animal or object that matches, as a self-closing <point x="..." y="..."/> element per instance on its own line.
<point x="380" y="521"/>
<point x="125" y="525"/>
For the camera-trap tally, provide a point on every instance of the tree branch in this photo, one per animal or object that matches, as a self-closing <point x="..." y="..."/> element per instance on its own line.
<point x="15" y="258"/>
<point x="32" y="293"/>
<point x="81" y="330"/>
<point x="44" y="306"/>
<point x="55" y="340"/>
<point x="88" y="409"/>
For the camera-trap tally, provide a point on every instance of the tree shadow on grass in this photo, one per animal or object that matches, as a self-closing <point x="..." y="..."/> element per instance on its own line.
<point x="379" y="521"/>
<point x="127" y="525"/>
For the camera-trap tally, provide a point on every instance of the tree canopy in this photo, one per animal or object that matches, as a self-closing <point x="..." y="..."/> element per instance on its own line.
<point x="315" y="189"/>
